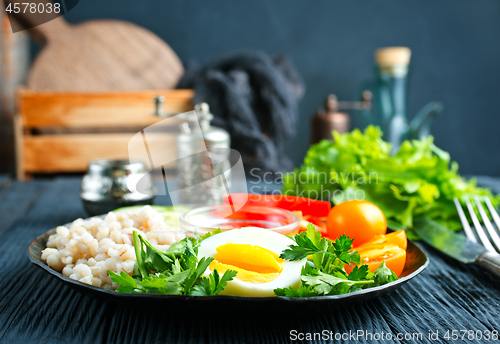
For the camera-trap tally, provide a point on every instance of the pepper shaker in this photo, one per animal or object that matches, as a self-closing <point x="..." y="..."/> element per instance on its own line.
<point x="328" y="119"/>
<point x="204" y="178"/>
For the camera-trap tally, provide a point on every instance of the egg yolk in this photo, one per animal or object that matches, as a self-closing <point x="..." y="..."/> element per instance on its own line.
<point x="253" y="264"/>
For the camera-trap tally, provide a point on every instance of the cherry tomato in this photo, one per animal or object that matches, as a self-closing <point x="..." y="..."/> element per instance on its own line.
<point x="375" y="254"/>
<point x="396" y="238"/>
<point x="359" y="220"/>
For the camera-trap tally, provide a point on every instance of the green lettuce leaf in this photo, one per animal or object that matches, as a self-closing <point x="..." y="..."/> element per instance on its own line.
<point x="420" y="180"/>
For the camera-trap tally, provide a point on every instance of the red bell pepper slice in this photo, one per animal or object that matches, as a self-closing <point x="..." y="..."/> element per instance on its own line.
<point x="308" y="207"/>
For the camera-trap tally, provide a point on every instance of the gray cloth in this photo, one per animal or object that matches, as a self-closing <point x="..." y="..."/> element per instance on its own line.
<point x="254" y="97"/>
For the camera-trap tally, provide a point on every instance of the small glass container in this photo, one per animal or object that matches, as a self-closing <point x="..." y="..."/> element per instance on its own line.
<point x="205" y="219"/>
<point x="111" y="184"/>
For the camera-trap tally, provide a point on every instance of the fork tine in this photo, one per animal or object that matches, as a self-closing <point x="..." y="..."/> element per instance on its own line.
<point x="465" y="223"/>
<point x="487" y="223"/>
<point x="493" y="211"/>
<point x="479" y="230"/>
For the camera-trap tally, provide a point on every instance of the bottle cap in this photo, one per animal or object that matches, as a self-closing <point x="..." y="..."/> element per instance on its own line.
<point x="392" y="56"/>
<point x="393" y="61"/>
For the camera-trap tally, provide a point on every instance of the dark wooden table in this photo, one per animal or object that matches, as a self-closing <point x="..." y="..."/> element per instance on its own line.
<point x="37" y="308"/>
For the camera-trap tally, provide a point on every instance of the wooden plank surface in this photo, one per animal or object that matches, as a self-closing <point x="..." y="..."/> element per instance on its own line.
<point x="98" y="109"/>
<point x="37" y="308"/>
<point x="72" y="153"/>
<point x="4" y="181"/>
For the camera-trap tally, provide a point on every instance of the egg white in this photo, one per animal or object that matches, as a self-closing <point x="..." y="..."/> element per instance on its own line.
<point x="289" y="276"/>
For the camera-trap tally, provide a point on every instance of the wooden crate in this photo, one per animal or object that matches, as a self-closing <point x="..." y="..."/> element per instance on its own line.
<point x="59" y="132"/>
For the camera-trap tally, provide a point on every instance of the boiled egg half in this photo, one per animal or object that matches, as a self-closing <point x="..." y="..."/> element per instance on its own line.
<point x="254" y="254"/>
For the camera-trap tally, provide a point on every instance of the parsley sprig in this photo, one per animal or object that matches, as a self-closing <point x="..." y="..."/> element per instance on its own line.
<point x="176" y="271"/>
<point x="326" y="255"/>
<point x="324" y="272"/>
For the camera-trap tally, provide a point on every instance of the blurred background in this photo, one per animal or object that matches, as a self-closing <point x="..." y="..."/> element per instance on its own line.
<point x="454" y="43"/>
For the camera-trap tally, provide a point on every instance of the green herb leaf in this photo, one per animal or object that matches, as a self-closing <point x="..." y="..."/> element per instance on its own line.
<point x="302" y="291"/>
<point x="179" y="277"/>
<point x="150" y="259"/>
<point x="324" y="273"/>
<point x="153" y="282"/>
<point x="213" y="285"/>
<point x="221" y="284"/>
<point x="343" y="244"/>
<point x="139" y="255"/>
<point x="175" y="271"/>
<point x="210" y="234"/>
<point x="304" y="248"/>
<point x="160" y="286"/>
<point x="201" y="266"/>
<point x="383" y="275"/>
<point x="359" y="273"/>
<point x="175" y="250"/>
<point x="127" y="290"/>
<point x="122" y="279"/>
<point x="324" y="284"/>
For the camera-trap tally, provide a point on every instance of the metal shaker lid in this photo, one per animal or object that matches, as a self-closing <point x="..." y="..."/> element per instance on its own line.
<point x="111" y="166"/>
<point x="210" y="133"/>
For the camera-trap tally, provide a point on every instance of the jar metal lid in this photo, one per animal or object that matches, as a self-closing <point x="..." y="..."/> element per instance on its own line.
<point x="107" y="166"/>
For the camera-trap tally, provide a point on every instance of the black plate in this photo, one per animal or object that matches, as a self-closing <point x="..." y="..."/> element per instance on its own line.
<point x="416" y="262"/>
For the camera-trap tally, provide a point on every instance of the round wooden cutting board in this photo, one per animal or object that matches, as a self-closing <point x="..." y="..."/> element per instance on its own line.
<point x="100" y="55"/>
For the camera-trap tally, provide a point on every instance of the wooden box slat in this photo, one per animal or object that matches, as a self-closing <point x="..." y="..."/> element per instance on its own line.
<point x="63" y="131"/>
<point x="97" y="110"/>
<point x="72" y="153"/>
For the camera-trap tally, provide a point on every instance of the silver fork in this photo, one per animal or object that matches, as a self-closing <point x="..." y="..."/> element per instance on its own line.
<point x="491" y="234"/>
